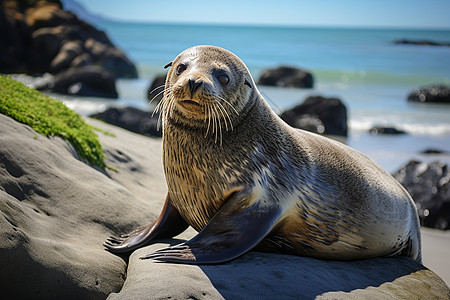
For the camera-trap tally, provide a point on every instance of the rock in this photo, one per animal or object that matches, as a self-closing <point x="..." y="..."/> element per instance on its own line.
<point x="89" y="81"/>
<point x="67" y="53"/>
<point x="155" y="91"/>
<point x="434" y="151"/>
<point x="432" y="93"/>
<point x="428" y="185"/>
<point x="260" y="275"/>
<point x="385" y="130"/>
<point x="421" y="43"/>
<point x="40" y="37"/>
<point x="131" y="119"/>
<point x="55" y="211"/>
<point x="320" y="115"/>
<point x="14" y="41"/>
<point x="287" y="77"/>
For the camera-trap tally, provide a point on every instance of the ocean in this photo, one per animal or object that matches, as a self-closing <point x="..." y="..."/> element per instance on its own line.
<point x="363" y="67"/>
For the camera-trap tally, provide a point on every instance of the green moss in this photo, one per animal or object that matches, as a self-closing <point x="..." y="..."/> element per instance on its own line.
<point x="49" y="117"/>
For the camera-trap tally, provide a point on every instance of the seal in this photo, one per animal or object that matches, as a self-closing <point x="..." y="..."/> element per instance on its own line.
<point x="246" y="180"/>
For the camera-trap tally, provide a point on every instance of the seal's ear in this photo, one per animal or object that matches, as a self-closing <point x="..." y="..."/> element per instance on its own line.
<point x="168" y="65"/>
<point x="246" y="82"/>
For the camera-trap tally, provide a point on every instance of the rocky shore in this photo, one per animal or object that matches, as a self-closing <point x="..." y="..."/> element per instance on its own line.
<point x="56" y="212"/>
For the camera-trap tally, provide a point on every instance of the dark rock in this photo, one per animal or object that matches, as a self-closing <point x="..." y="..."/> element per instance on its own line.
<point x="131" y="119"/>
<point x="428" y="185"/>
<point x="385" y="130"/>
<point x="14" y="41"/>
<point x="67" y="53"/>
<point x="88" y="81"/>
<point x="421" y="43"/>
<point x="155" y="91"/>
<point x="319" y="115"/>
<point x="433" y="93"/>
<point x="39" y="37"/>
<point x="434" y="151"/>
<point x="287" y="77"/>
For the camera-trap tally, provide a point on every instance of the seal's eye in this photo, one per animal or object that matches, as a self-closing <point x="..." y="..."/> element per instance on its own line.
<point x="181" y="68"/>
<point x="223" y="79"/>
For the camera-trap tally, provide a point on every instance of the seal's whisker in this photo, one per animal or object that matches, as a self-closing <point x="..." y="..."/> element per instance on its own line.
<point x="214" y="128"/>
<point x="221" y="111"/>
<point x="229" y="104"/>
<point x="219" y="126"/>
<point x="172" y="105"/>
<point x="209" y="118"/>
<point x="159" y="93"/>
<point x="166" y="107"/>
<point x="214" y="121"/>
<point x="161" y="103"/>
<point x="228" y="116"/>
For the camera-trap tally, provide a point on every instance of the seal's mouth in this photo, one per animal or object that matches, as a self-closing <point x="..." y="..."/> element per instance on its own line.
<point x="191" y="106"/>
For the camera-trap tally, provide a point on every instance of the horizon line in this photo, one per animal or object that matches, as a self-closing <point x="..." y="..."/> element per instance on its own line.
<point x="275" y="25"/>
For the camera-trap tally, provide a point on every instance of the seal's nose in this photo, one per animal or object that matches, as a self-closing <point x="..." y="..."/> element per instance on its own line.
<point x="194" y="85"/>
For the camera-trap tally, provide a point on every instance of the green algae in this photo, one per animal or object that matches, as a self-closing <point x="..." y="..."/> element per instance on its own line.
<point x="50" y="117"/>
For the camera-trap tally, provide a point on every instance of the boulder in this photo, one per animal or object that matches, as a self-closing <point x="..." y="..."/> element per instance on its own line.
<point x="39" y="37"/>
<point x="56" y="211"/>
<point x="132" y="119"/>
<point x="434" y="93"/>
<point x="421" y="43"/>
<point x="287" y="77"/>
<point x="258" y="275"/>
<point x="155" y="91"/>
<point x="432" y="151"/>
<point x="385" y="130"/>
<point x="67" y="53"/>
<point x="90" y="81"/>
<point x="320" y="115"/>
<point x="428" y="184"/>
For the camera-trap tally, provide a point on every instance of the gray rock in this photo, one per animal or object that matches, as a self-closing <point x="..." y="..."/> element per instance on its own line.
<point x="429" y="186"/>
<point x="258" y="275"/>
<point x="287" y="77"/>
<point x="56" y="211"/>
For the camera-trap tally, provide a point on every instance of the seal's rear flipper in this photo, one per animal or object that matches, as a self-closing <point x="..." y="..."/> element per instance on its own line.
<point x="168" y="224"/>
<point x="241" y="223"/>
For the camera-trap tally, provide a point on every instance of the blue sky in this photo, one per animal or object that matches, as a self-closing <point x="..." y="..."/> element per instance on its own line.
<point x="359" y="13"/>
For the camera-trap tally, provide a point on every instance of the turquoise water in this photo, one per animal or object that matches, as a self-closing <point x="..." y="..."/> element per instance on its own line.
<point x="363" y="67"/>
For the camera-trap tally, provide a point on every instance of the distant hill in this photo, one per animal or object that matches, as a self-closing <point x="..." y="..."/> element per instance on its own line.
<point x="82" y="13"/>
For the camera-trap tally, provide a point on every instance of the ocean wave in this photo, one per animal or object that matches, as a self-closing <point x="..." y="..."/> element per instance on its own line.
<point x="342" y="78"/>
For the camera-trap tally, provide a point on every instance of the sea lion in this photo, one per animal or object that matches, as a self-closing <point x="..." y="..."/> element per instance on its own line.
<point x="246" y="180"/>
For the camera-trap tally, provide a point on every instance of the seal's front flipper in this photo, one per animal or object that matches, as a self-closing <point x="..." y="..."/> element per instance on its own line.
<point x="168" y="224"/>
<point x="242" y="222"/>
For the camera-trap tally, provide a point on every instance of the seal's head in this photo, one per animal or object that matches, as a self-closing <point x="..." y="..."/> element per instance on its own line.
<point x="206" y="87"/>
